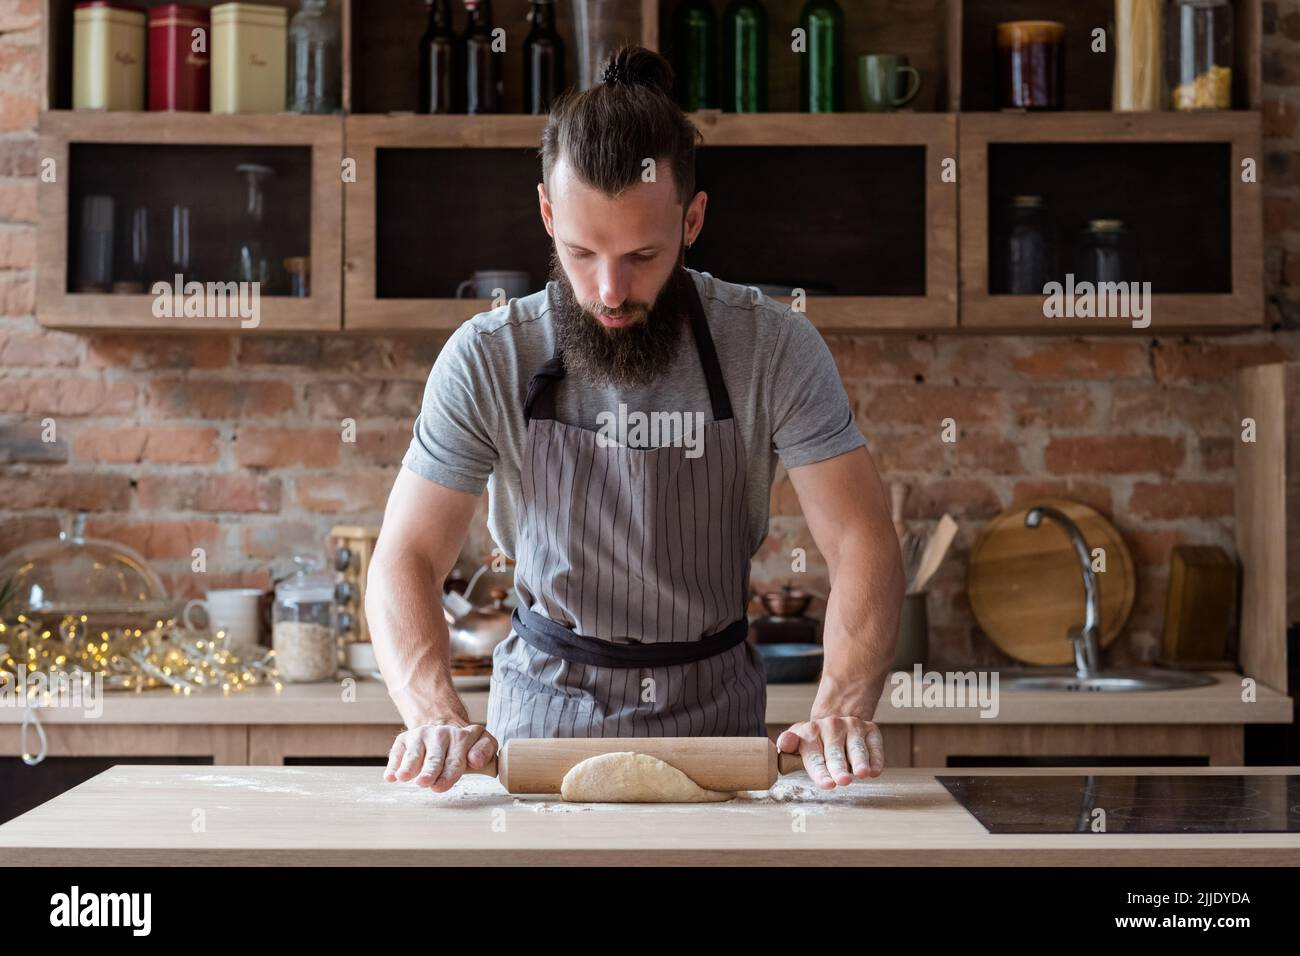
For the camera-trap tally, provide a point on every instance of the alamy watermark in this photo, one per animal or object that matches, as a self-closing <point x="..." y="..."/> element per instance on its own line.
<point x="1099" y="300"/>
<point x="951" y="689"/>
<point x="651" y="430"/>
<point x="74" y="908"/>
<point x="210" y="300"/>
<point x="77" y="691"/>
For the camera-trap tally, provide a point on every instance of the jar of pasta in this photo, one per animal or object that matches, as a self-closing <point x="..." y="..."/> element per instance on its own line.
<point x="1139" y="82"/>
<point x="1198" y="54"/>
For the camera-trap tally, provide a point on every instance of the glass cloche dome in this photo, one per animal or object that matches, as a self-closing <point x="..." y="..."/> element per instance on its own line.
<point x="102" y="580"/>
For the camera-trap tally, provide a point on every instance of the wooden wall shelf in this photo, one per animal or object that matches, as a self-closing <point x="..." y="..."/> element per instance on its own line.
<point x="57" y="28"/>
<point x="365" y="136"/>
<point x="1241" y="305"/>
<point x="1088" y="73"/>
<point x="951" y="274"/>
<point x="927" y="32"/>
<point x="933" y="135"/>
<point x="61" y="131"/>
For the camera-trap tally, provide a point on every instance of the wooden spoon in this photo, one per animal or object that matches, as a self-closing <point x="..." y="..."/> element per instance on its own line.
<point x="936" y="549"/>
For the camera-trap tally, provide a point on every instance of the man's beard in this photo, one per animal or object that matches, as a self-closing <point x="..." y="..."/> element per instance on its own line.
<point x="631" y="356"/>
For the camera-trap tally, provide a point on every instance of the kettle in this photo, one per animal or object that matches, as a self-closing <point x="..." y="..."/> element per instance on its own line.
<point x="476" y="631"/>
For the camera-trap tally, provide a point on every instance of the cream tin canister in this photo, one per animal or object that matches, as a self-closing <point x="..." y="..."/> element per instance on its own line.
<point x="248" y="58"/>
<point x="108" y="54"/>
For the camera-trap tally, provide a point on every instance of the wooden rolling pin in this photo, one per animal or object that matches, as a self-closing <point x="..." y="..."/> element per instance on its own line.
<point x="526" y="765"/>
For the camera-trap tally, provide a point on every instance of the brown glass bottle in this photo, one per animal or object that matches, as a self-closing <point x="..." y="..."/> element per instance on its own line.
<point x="482" y="68"/>
<point x="543" y="59"/>
<point x="440" y="75"/>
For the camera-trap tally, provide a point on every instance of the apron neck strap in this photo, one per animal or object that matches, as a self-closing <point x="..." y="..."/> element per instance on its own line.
<point x="539" y="403"/>
<point x="718" y="397"/>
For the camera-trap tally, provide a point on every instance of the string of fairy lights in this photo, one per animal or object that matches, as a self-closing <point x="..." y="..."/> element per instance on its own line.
<point x="132" y="658"/>
<point x="128" y="658"/>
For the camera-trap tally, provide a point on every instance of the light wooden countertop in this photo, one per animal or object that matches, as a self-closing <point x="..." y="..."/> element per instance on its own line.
<point x="149" y="815"/>
<point x="367" y="702"/>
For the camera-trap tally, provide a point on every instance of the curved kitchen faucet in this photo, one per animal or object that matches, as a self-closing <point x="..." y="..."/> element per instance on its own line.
<point x="1087" y="644"/>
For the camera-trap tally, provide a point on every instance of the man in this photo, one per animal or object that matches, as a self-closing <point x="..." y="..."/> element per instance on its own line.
<point x="632" y="555"/>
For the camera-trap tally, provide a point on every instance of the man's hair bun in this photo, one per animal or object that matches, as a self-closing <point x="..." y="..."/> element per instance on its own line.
<point x="637" y="66"/>
<point x="608" y="130"/>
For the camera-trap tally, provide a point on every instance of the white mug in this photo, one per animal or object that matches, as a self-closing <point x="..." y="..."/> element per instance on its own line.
<point x="484" y="283"/>
<point x="237" y="611"/>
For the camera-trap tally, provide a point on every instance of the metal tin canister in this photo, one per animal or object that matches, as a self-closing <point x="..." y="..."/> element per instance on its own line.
<point x="179" y="41"/>
<point x="248" y="58"/>
<point x="108" y="54"/>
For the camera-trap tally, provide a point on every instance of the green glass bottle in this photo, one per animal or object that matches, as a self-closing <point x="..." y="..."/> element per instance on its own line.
<point x="821" y="70"/>
<point x="744" y="69"/>
<point x="695" y="44"/>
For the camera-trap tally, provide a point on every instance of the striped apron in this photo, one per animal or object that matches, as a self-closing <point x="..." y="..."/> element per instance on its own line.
<point x="633" y="577"/>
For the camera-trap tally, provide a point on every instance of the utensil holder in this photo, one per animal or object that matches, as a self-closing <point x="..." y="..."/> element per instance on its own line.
<point x="913" y="634"/>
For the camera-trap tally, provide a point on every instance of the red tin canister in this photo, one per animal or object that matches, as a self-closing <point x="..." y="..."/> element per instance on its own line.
<point x="178" y="61"/>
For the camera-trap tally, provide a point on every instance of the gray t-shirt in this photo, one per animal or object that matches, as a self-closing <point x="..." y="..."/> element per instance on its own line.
<point x="784" y="386"/>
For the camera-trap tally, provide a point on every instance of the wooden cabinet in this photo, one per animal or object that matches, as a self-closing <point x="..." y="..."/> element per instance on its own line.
<point x="153" y="162"/>
<point x="858" y="210"/>
<point x="438" y="197"/>
<point x="1268" y="517"/>
<point x="1185" y="184"/>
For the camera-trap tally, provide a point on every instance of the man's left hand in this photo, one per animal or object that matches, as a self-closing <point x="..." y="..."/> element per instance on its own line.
<point x="836" y="750"/>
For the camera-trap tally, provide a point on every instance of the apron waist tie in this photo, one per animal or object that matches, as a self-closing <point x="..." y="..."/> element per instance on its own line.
<point x="559" y="641"/>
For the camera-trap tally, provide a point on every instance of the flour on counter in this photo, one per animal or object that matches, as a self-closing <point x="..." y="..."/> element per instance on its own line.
<point x="248" y="783"/>
<point x="793" y="791"/>
<point x="476" y="791"/>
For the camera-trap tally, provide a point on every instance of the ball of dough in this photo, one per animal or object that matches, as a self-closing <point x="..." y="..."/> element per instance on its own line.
<point x="627" y="777"/>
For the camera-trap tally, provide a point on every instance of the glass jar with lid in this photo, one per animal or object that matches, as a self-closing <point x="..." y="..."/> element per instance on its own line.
<point x="1029" y="252"/>
<point x="1031" y="64"/>
<point x="315" y="77"/>
<point x="1139" y="77"/>
<point x="1198" y="54"/>
<point x="303" y="631"/>
<point x="1099" y="256"/>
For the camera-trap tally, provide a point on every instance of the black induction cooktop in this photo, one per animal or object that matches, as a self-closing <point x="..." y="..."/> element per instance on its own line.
<point x="1133" y="803"/>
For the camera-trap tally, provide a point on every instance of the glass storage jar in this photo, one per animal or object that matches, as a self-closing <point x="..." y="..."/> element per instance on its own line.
<point x="1139" y="77"/>
<point x="1198" y="54"/>
<point x="1030" y="251"/>
<point x="315" y="75"/>
<point x="1099" y="256"/>
<point x="1031" y="64"/>
<point x="303" y="631"/>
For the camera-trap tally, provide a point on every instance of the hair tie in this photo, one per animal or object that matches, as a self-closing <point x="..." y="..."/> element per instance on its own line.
<point x="615" y="73"/>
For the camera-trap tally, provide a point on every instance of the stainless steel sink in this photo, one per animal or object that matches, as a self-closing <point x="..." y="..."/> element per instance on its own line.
<point x="1130" y="679"/>
<point x="1087" y="674"/>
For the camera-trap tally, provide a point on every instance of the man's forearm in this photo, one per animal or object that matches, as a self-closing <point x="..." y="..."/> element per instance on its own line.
<point x="861" y="630"/>
<point x="410" y="638"/>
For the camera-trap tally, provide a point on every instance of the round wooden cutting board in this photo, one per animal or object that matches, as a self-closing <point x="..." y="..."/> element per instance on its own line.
<point x="1026" y="586"/>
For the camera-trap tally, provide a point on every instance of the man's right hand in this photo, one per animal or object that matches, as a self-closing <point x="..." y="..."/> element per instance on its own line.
<point x="435" y="754"/>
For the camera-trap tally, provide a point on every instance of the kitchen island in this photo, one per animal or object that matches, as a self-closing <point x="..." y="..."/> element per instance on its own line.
<point x="348" y="816"/>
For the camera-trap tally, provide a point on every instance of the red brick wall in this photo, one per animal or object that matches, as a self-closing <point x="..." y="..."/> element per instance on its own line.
<point x="230" y="443"/>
